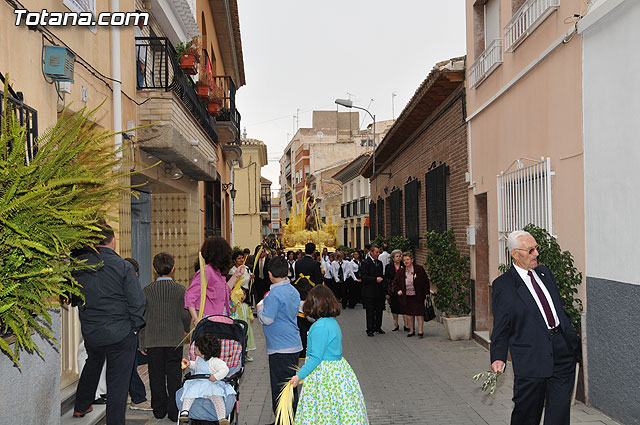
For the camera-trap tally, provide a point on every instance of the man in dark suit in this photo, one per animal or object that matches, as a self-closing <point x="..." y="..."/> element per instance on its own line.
<point x="373" y="290"/>
<point x="261" y="280"/>
<point x="529" y="322"/>
<point x="308" y="266"/>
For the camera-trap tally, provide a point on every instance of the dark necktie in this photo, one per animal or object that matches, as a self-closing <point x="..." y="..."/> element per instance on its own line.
<point x="543" y="300"/>
<point x="340" y="272"/>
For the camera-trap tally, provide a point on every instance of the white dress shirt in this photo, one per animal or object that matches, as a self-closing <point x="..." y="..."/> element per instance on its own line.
<point x="328" y="269"/>
<point x="384" y="258"/>
<point x="524" y="274"/>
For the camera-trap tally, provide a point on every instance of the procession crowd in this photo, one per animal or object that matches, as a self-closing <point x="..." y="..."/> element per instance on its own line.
<point x="296" y="297"/>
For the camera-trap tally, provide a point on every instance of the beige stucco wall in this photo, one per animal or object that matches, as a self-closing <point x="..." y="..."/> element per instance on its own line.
<point x="21" y="57"/>
<point x="538" y="116"/>
<point x="247" y="221"/>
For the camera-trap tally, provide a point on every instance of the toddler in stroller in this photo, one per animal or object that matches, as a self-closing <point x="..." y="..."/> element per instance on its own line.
<point x="218" y="350"/>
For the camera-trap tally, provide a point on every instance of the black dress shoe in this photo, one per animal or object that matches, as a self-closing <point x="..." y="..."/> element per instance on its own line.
<point x="406" y="329"/>
<point x="370" y="333"/>
<point x="420" y="336"/>
<point x="411" y="334"/>
<point x="381" y="332"/>
<point x="395" y="329"/>
<point x="101" y="400"/>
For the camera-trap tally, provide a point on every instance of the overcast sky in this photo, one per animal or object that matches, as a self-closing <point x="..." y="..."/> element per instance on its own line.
<point x="302" y="55"/>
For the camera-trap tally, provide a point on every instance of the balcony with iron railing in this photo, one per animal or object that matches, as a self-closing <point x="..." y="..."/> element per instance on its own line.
<point x="177" y="126"/>
<point x="486" y="63"/>
<point x="265" y="204"/>
<point x="228" y="118"/>
<point x="526" y="19"/>
<point x="26" y="116"/>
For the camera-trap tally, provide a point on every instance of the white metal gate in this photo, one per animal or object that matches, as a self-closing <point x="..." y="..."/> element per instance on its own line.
<point x="524" y="197"/>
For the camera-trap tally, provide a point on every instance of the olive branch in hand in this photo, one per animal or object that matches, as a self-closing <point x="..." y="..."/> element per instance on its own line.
<point x="490" y="380"/>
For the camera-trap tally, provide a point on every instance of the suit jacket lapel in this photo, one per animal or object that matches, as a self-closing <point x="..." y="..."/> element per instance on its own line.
<point x="526" y="296"/>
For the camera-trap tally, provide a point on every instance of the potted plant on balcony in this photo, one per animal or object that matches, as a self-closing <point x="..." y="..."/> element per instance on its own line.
<point x="216" y="99"/>
<point x="449" y="272"/>
<point x="204" y="84"/>
<point x="189" y="54"/>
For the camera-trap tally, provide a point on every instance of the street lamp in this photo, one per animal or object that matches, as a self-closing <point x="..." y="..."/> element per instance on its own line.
<point x="348" y="103"/>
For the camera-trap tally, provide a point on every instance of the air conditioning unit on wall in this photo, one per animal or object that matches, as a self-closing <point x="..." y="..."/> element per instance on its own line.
<point x="58" y="63"/>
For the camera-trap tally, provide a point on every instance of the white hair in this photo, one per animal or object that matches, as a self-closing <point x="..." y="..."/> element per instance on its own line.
<point x="513" y="240"/>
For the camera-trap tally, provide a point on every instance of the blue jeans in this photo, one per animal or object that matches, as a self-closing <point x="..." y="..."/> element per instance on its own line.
<point x="136" y="386"/>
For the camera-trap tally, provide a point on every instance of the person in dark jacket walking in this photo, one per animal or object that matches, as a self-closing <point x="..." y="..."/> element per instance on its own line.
<point x="373" y="290"/>
<point x="110" y="318"/>
<point x="167" y="323"/>
<point x="307" y="266"/>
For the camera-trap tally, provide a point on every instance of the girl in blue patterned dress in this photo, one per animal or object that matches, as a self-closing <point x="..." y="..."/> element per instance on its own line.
<point x="331" y="392"/>
<point x="207" y="363"/>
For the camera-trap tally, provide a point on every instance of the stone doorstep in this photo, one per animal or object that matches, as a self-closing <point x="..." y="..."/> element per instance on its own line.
<point x="94" y="417"/>
<point x="482" y="338"/>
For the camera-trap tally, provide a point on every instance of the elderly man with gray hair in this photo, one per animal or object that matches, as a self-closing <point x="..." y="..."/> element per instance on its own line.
<point x="530" y="323"/>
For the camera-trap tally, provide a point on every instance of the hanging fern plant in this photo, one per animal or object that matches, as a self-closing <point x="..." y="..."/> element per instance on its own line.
<point x="48" y="207"/>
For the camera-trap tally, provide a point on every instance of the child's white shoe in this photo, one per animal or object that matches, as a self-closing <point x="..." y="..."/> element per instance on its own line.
<point x="184" y="416"/>
<point x="249" y="358"/>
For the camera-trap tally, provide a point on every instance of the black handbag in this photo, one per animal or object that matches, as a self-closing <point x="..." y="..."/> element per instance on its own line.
<point x="429" y="312"/>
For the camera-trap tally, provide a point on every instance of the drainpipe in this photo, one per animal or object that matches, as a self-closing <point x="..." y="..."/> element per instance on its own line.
<point x="233" y="201"/>
<point x="117" y="86"/>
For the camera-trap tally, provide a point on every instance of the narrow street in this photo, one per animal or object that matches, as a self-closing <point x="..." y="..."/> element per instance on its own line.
<point x="404" y="380"/>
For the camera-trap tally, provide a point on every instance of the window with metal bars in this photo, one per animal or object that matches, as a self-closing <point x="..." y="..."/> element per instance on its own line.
<point x="372" y="220"/>
<point x="524" y="197"/>
<point x="380" y="220"/>
<point x="395" y="208"/>
<point x="26" y="116"/>
<point x="411" y="216"/>
<point x="436" y="198"/>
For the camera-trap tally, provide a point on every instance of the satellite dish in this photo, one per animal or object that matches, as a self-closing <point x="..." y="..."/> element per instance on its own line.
<point x="320" y="134"/>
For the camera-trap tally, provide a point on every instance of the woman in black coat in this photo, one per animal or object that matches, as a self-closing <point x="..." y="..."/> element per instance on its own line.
<point x="412" y="286"/>
<point x="389" y="274"/>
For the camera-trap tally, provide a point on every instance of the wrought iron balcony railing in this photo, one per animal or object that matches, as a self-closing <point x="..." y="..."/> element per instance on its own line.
<point x="162" y="71"/>
<point x="526" y="19"/>
<point x="26" y="116"/>
<point x="486" y="63"/>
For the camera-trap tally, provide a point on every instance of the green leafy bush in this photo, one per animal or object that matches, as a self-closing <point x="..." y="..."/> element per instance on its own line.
<point x="345" y="249"/>
<point x="561" y="265"/>
<point x="48" y="208"/>
<point x="449" y="272"/>
<point x="394" y="242"/>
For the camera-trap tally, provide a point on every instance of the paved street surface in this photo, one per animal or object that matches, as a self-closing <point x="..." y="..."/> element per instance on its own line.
<point x="404" y="380"/>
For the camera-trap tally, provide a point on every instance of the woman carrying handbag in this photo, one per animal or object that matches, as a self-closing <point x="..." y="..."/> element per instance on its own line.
<point x="412" y="287"/>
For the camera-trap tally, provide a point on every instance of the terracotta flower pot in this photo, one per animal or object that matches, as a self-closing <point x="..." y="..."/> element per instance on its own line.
<point x="213" y="108"/>
<point x="188" y="63"/>
<point x="202" y="90"/>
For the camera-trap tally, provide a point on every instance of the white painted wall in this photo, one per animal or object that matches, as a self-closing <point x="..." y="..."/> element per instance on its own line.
<point x="611" y="102"/>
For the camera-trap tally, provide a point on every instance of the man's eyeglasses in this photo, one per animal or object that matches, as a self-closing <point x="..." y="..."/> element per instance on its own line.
<point x="530" y="250"/>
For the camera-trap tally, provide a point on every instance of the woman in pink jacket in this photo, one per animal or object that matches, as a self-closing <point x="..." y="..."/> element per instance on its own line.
<point x="217" y="256"/>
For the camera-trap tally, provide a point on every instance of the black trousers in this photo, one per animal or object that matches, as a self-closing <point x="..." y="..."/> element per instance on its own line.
<point x="119" y="357"/>
<point x="352" y="293"/>
<point x="165" y="376"/>
<point x="554" y="393"/>
<point x="374" y="307"/>
<point x="281" y="370"/>
<point x="339" y="290"/>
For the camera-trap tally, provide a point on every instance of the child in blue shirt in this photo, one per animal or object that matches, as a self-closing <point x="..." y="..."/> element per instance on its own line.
<point x="278" y="313"/>
<point x="331" y="392"/>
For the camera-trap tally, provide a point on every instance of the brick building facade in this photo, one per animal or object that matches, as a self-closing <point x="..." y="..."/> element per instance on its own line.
<point x="425" y="153"/>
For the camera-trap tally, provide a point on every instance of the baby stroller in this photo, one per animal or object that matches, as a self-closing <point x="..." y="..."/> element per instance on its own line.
<point x="233" y="337"/>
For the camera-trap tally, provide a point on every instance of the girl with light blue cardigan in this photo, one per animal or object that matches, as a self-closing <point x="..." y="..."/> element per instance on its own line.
<point x="331" y="392"/>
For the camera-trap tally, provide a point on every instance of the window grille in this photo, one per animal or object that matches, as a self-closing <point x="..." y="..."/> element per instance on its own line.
<point x="380" y="221"/>
<point x="346" y="236"/>
<point x="436" y="198"/>
<point x="395" y="204"/>
<point x="411" y="217"/>
<point x="524" y="197"/>
<point x="372" y="220"/>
